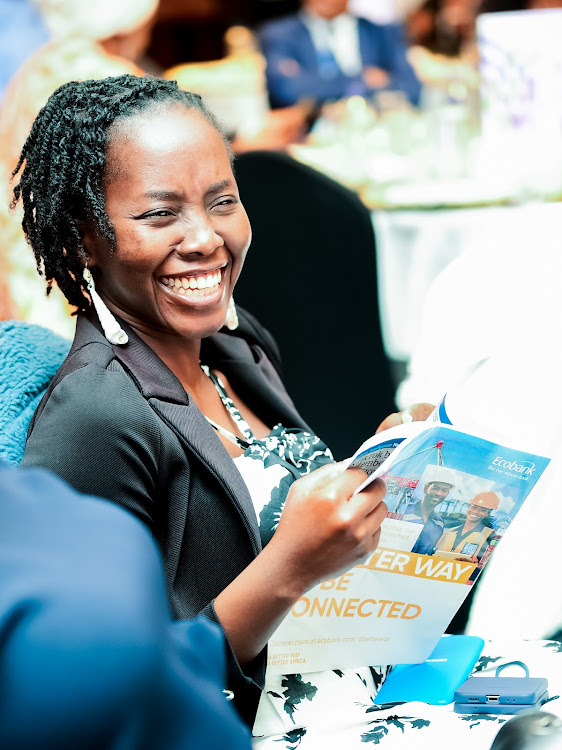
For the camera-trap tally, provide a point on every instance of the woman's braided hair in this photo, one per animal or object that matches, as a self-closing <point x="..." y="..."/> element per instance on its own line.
<point x="65" y="163"/>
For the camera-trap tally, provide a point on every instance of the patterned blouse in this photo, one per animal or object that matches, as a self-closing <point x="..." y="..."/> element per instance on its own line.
<point x="291" y="703"/>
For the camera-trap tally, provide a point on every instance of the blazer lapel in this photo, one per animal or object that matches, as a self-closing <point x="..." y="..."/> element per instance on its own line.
<point x="196" y="433"/>
<point x="168" y="398"/>
<point x="369" y="43"/>
<point x="308" y="55"/>
<point x="253" y="378"/>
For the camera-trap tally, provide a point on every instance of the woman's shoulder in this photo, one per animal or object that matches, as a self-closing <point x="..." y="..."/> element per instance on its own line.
<point x="92" y="423"/>
<point x="96" y="431"/>
<point x="92" y="389"/>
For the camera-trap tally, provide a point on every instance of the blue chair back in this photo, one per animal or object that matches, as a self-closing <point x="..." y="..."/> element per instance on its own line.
<point x="30" y="355"/>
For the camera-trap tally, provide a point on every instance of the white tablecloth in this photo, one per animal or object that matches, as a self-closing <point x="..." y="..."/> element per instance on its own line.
<point x="420" y="725"/>
<point x="414" y="246"/>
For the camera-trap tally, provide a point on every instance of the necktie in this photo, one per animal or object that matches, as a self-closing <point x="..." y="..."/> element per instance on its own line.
<point x="327" y="64"/>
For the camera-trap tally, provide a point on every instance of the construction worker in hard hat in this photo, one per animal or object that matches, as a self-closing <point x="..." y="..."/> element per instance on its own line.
<point x="439" y="481"/>
<point x="471" y="539"/>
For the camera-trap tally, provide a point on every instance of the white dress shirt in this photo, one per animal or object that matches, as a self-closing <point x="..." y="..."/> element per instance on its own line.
<point x="340" y="35"/>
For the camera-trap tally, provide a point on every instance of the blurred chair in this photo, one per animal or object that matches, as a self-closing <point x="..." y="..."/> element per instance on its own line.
<point x="311" y="279"/>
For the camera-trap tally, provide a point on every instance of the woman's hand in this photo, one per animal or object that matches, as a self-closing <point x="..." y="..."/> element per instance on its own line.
<point x="415" y="413"/>
<point x="324" y="530"/>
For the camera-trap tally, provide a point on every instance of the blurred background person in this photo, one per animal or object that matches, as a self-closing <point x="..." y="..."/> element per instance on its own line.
<point x="383" y="11"/>
<point x="22" y="31"/>
<point x="234" y="88"/>
<point x="443" y="35"/>
<point x="443" y="27"/>
<point x="325" y="53"/>
<point x="86" y="40"/>
<point x="444" y="52"/>
<point x="93" y="40"/>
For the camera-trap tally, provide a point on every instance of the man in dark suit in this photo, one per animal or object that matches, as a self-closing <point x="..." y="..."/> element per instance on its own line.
<point x="324" y="53"/>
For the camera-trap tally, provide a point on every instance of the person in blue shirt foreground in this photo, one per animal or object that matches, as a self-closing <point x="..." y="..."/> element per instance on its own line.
<point x="89" y="657"/>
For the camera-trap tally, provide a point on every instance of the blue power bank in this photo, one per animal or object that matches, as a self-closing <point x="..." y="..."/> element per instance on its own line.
<point x="500" y="708"/>
<point x="435" y="680"/>
<point x="500" y="695"/>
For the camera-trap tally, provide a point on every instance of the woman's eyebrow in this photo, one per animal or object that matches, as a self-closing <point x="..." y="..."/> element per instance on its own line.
<point x="174" y="195"/>
<point x="164" y="195"/>
<point x="216" y="187"/>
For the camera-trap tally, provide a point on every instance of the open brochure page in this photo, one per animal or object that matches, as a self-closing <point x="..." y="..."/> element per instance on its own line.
<point x="451" y="498"/>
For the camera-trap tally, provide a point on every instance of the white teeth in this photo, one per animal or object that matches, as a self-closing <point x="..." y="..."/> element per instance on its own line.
<point x="194" y="285"/>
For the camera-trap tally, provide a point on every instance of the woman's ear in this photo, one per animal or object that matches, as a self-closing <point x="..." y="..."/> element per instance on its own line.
<point x="89" y="242"/>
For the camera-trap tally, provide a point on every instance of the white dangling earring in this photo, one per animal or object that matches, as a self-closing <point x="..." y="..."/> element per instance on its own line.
<point x="111" y="328"/>
<point x="231" y="321"/>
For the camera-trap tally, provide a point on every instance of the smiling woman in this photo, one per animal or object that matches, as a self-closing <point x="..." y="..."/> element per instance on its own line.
<point x="178" y="224"/>
<point x="131" y="206"/>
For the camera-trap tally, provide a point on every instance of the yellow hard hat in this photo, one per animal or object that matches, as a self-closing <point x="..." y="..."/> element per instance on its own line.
<point x="486" y="500"/>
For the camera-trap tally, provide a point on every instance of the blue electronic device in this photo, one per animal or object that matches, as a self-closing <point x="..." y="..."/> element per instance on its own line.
<point x="501" y="695"/>
<point x="435" y="680"/>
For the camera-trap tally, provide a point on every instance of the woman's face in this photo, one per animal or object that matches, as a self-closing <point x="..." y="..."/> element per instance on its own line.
<point x="476" y="513"/>
<point x="181" y="231"/>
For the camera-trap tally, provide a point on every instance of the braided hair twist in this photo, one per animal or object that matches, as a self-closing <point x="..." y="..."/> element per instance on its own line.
<point x="64" y="164"/>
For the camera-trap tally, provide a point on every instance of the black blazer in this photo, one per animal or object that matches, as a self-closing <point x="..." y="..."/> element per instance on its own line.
<point x="117" y="423"/>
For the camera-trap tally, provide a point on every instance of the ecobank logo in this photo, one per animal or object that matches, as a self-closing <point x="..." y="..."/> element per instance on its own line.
<point x="525" y="468"/>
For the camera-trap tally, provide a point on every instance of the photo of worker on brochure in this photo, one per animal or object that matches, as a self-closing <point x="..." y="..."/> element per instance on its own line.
<point x="462" y="514"/>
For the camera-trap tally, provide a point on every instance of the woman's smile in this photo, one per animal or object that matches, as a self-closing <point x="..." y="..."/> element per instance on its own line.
<point x="196" y="287"/>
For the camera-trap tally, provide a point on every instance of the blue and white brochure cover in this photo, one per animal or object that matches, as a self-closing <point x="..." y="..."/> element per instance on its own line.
<point x="451" y="497"/>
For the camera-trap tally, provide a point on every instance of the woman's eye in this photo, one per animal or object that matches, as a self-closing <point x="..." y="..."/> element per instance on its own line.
<point x="225" y="202"/>
<point x="157" y="214"/>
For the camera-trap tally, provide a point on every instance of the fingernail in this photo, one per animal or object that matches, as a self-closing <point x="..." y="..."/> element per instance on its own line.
<point x="407" y="417"/>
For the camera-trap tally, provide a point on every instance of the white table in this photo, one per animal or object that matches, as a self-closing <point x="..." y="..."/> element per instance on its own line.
<point x="413" y="246"/>
<point x="423" y="726"/>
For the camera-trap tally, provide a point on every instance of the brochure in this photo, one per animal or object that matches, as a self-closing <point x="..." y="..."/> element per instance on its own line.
<point x="451" y="497"/>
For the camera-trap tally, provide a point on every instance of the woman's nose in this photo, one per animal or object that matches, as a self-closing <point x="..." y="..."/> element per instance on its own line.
<point x="199" y="236"/>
